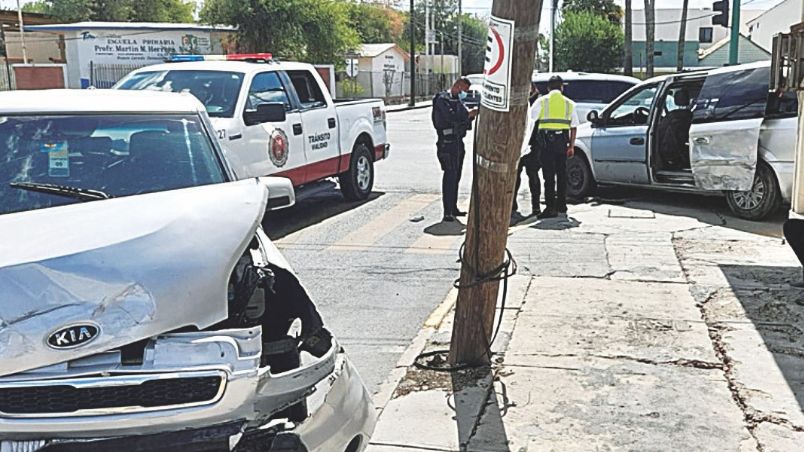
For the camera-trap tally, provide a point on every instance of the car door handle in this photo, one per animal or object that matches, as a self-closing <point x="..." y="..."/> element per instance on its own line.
<point x="702" y="140"/>
<point x="332" y="123"/>
<point x="637" y="141"/>
<point x="297" y="129"/>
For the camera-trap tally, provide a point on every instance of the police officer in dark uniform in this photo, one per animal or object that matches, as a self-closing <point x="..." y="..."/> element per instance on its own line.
<point x="452" y="120"/>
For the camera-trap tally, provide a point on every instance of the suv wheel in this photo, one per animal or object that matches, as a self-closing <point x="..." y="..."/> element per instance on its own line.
<point x="357" y="183"/>
<point x="761" y="201"/>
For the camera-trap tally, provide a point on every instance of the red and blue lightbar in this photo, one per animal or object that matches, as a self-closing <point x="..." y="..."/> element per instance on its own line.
<point x="230" y="57"/>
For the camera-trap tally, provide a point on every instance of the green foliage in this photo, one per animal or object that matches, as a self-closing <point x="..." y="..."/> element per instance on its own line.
<point x="350" y="87"/>
<point x="316" y="31"/>
<point x="604" y="8"/>
<point x="115" y="10"/>
<point x="376" y="24"/>
<point x="475" y="33"/>
<point x="588" y="42"/>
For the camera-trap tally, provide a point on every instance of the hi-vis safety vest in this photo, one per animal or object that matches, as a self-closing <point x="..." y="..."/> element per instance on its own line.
<point x="556" y="112"/>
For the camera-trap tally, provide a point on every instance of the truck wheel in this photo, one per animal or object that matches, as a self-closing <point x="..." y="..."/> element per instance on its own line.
<point x="580" y="181"/>
<point x="356" y="184"/>
<point x="761" y="201"/>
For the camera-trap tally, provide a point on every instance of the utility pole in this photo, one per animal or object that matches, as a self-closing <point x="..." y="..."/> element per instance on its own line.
<point x="500" y="133"/>
<point x="460" y="38"/>
<point x="628" y="64"/>
<point x="412" y="101"/>
<point x="22" y="34"/>
<point x="553" y="12"/>
<point x="5" y="53"/>
<point x="734" y="44"/>
<point x="427" y="47"/>
<point x="682" y="36"/>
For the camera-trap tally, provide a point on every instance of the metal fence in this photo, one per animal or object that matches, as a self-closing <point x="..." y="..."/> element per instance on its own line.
<point x="7" y="81"/>
<point x="104" y="76"/>
<point x="390" y="85"/>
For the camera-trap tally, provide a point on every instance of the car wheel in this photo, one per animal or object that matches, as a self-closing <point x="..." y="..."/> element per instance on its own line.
<point x="761" y="201"/>
<point x="357" y="183"/>
<point x="580" y="181"/>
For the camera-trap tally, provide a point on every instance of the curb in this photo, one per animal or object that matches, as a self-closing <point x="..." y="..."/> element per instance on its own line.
<point x="429" y="328"/>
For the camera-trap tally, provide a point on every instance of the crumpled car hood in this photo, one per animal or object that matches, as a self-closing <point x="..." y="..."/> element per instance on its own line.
<point x="135" y="267"/>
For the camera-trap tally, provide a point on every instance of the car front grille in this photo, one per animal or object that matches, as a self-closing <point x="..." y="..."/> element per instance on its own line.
<point x="108" y="395"/>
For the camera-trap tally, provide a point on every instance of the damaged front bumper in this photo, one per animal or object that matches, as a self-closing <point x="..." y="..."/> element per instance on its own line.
<point x="201" y="391"/>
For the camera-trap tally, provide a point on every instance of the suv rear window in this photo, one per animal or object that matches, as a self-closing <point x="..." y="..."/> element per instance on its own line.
<point x="591" y="91"/>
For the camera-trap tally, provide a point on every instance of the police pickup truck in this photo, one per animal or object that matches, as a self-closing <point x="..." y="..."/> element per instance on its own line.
<point x="278" y="118"/>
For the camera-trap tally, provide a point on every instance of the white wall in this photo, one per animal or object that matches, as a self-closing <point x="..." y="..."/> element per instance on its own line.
<point x="776" y="20"/>
<point x="668" y="23"/>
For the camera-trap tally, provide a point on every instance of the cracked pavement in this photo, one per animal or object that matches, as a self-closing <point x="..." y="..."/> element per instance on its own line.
<point x="635" y="326"/>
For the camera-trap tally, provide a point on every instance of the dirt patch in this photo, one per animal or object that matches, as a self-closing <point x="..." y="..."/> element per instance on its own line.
<point x="417" y="380"/>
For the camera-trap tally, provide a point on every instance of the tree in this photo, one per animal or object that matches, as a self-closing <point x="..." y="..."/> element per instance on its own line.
<point x="628" y="63"/>
<point x="316" y="31"/>
<point x="115" y="10"/>
<point x="650" y="36"/>
<point x="586" y="41"/>
<point x="682" y="36"/>
<point x="376" y="24"/>
<point x="475" y="32"/>
<point x="605" y="8"/>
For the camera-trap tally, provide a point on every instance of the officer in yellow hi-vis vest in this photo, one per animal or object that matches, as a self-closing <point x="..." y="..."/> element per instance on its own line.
<point x="558" y="125"/>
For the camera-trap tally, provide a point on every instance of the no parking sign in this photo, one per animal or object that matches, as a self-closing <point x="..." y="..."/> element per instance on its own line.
<point x="497" y="69"/>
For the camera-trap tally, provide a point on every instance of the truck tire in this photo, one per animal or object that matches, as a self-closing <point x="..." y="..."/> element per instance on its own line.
<point x="580" y="182"/>
<point x="357" y="183"/>
<point x="763" y="199"/>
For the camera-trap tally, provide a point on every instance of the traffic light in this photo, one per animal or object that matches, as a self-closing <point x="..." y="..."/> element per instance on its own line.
<point x="721" y="7"/>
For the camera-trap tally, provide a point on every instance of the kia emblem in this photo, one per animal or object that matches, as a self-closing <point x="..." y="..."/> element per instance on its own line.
<point x="73" y="336"/>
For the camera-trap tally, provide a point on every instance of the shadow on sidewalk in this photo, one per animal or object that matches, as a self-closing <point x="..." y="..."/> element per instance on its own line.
<point x="477" y="412"/>
<point x="776" y="311"/>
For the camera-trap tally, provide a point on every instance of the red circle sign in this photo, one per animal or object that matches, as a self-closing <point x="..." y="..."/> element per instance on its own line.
<point x="500" y="53"/>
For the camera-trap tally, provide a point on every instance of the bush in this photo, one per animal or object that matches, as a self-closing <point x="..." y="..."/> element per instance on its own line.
<point x="588" y="42"/>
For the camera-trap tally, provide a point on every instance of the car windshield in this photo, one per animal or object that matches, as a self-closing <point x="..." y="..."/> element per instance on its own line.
<point x="48" y="161"/>
<point x="217" y="90"/>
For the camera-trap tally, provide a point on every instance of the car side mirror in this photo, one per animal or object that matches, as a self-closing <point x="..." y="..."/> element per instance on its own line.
<point x="271" y="112"/>
<point x="281" y="193"/>
<point x="593" y="116"/>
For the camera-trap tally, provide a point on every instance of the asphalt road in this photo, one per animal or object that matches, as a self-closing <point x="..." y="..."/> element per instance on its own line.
<point x="377" y="269"/>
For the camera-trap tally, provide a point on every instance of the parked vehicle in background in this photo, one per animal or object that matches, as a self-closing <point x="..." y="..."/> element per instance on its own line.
<point x="713" y="132"/>
<point x="143" y="307"/>
<point x="475" y="90"/>
<point x="277" y="118"/>
<point x="589" y="91"/>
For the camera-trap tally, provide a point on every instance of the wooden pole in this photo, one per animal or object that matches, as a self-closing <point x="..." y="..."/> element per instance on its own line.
<point x="628" y="64"/>
<point x="499" y="140"/>
<point x="682" y="37"/>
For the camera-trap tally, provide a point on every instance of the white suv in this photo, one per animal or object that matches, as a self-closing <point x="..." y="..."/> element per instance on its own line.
<point x="588" y="91"/>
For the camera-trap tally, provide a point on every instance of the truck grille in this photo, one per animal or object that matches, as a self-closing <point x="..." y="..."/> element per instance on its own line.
<point x="106" y="395"/>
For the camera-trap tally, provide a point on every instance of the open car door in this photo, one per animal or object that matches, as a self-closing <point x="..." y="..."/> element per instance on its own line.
<point x="724" y="137"/>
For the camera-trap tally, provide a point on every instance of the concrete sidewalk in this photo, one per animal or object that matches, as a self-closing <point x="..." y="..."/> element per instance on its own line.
<point x="629" y="327"/>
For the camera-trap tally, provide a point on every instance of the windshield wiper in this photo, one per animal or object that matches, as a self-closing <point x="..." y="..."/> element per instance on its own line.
<point x="83" y="194"/>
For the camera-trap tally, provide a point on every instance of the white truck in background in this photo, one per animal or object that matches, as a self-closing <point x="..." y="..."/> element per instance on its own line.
<point x="278" y="118"/>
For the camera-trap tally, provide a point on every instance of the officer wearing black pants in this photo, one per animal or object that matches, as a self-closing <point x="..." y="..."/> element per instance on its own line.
<point x="558" y="123"/>
<point x="452" y="120"/>
<point x="530" y="162"/>
<point x="794" y="234"/>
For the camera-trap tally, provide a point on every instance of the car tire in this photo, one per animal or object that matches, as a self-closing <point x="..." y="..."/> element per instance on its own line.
<point x="763" y="200"/>
<point x="580" y="181"/>
<point x="357" y="183"/>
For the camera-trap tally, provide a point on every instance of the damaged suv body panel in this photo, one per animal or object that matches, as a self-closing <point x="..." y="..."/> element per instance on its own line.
<point x="724" y="136"/>
<point x="115" y="264"/>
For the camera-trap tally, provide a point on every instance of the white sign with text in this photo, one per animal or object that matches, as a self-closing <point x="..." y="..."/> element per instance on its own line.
<point x="497" y="68"/>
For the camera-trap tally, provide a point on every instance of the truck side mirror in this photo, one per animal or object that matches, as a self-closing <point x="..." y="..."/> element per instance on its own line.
<point x="271" y="112"/>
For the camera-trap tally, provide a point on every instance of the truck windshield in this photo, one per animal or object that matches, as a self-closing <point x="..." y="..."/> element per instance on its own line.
<point x="48" y="161"/>
<point x="217" y="90"/>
